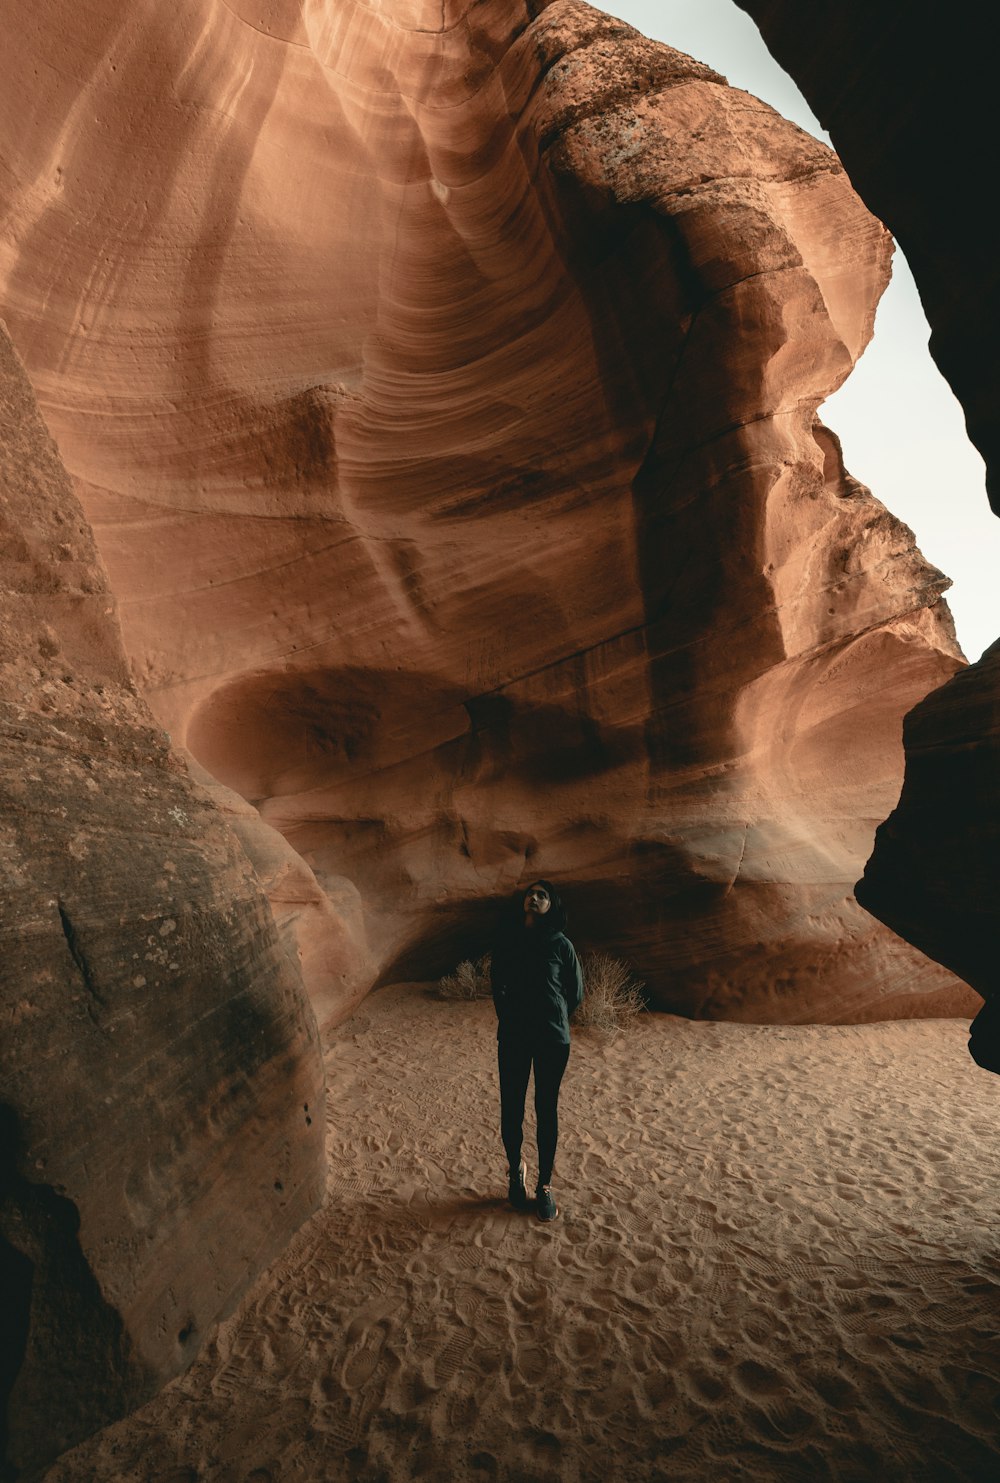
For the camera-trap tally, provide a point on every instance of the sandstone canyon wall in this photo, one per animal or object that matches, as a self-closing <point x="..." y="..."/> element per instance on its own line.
<point x="441" y="384"/>
<point x="906" y="92"/>
<point x="157" y="1051"/>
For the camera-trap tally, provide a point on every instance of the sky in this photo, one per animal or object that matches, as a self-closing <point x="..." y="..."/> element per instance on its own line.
<point x="902" y="430"/>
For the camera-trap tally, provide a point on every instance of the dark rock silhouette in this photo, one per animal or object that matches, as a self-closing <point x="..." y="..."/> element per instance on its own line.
<point x="907" y="98"/>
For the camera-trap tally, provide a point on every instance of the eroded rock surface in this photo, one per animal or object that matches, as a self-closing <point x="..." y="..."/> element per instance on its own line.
<point x="158" y="1053"/>
<point x="441" y="384"/>
<point x="908" y="102"/>
<point x="906" y="94"/>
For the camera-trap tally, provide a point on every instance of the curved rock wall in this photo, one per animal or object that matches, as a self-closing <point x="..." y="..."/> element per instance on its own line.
<point x="441" y="384"/>
<point x="157" y="1049"/>
<point x="905" y="91"/>
<point x="907" y="97"/>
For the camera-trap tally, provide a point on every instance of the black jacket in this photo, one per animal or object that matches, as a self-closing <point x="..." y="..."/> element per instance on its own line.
<point x="537" y="984"/>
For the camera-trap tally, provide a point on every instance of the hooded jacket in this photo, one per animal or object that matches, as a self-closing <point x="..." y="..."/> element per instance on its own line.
<point x="537" y="984"/>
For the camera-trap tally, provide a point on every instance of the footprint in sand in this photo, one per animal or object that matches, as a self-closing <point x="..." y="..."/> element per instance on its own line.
<point x="643" y="1280"/>
<point x="462" y="1413"/>
<point x="341" y="1432"/>
<point x="951" y="1315"/>
<point x="586" y="1341"/>
<point x="777" y="1269"/>
<point x="495" y="1238"/>
<point x="352" y="1184"/>
<point x="756" y="1380"/>
<point x="706" y="1385"/>
<point x="228" y="1381"/>
<point x="451" y="1358"/>
<point x="496" y="1234"/>
<point x="577" y="1231"/>
<point x="360" y="1366"/>
<point x="704" y="1218"/>
<point x="383" y="1172"/>
<point x="531" y="1363"/>
<point x="858" y="1323"/>
<point x="471" y="1259"/>
<point x="721" y="1282"/>
<point x="638" y="1220"/>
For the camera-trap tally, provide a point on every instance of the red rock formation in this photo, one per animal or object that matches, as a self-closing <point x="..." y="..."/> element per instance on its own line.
<point x="907" y="96"/>
<point x="157" y="1050"/>
<point x="322" y="929"/>
<point x="905" y="91"/>
<point x="442" y="387"/>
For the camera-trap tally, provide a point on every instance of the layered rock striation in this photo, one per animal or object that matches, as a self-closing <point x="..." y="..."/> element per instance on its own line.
<point x="159" y="1059"/>
<point x="441" y="384"/>
<point x="907" y="96"/>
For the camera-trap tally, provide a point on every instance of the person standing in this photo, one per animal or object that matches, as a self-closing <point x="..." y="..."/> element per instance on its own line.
<point x="537" y="984"/>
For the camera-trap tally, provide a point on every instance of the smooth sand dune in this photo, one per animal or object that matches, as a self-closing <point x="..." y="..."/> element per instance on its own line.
<point x="777" y="1258"/>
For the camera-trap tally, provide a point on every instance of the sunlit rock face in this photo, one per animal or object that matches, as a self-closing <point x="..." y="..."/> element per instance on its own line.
<point x="907" y="96"/>
<point x="157" y="1049"/>
<point x="441" y="383"/>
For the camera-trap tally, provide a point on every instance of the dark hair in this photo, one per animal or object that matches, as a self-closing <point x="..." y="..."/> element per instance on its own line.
<point x="552" y="922"/>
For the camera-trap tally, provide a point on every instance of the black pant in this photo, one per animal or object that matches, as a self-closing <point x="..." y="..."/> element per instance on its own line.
<point x="515" y="1061"/>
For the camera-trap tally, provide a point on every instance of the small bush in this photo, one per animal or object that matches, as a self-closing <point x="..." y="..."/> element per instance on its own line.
<point x="611" y="996"/>
<point x="469" y="980"/>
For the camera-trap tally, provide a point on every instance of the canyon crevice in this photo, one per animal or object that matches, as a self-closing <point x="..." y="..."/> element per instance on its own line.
<point x="907" y="100"/>
<point x="440" y="387"/>
<point x="444" y="405"/>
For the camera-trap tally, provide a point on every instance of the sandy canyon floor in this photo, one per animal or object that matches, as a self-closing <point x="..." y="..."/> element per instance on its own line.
<point x="777" y="1258"/>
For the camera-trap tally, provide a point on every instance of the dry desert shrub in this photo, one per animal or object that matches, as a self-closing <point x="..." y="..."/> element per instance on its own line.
<point x="611" y="996"/>
<point x="469" y="980"/>
<point x="611" y="1000"/>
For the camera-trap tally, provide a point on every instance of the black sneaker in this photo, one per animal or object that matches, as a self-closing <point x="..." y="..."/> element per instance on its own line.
<point x="545" y="1205"/>
<point x="517" y="1190"/>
